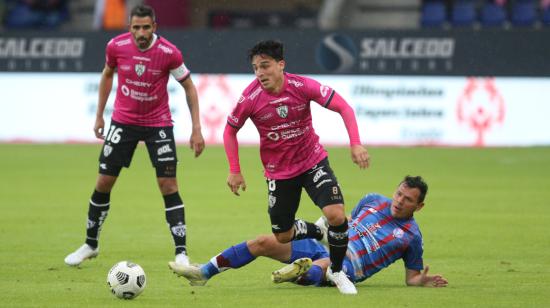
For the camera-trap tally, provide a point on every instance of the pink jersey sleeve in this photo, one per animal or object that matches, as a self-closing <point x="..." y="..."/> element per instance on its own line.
<point x="338" y="104"/>
<point x="240" y="112"/>
<point x="317" y="92"/>
<point x="231" y="146"/>
<point x="110" y="58"/>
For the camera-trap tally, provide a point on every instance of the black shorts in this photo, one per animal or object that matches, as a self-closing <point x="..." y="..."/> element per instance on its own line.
<point x="121" y="141"/>
<point x="320" y="184"/>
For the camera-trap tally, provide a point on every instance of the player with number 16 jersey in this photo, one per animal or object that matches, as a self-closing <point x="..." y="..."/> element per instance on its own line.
<point x="143" y="62"/>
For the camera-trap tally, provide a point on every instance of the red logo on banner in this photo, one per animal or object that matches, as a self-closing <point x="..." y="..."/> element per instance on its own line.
<point x="480" y="106"/>
<point x="216" y="100"/>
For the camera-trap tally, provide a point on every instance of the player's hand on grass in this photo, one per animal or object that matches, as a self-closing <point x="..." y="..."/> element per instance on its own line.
<point x="360" y="156"/>
<point x="435" y="281"/>
<point x="196" y="142"/>
<point x="99" y="127"/>
<point x="236" y="181"/>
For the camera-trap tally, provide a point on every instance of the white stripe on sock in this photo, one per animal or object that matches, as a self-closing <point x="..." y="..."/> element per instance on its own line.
<point x="174" y="207"/>
<point x="99" y="205"/>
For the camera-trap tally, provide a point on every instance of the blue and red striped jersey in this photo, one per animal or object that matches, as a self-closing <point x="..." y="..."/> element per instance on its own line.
<point x="376" y="239"/>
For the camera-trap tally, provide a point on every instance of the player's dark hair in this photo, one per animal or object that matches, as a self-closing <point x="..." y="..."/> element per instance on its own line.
<point x="270" y="48"/>
<point x="143" y="11"/>
<point x="417" y="182"/>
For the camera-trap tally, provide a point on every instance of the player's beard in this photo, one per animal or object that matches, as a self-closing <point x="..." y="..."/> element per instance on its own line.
<point x="143" y="42"/>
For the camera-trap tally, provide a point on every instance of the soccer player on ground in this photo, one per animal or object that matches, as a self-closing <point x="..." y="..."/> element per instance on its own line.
<point x="382" y="231"/>
<point x="144" y="62"/>
<point x="278" y="103"/>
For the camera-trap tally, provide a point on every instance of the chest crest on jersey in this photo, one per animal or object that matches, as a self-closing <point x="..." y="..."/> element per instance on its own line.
<point x="282" y="111"/>
<point x="140" y="69"/>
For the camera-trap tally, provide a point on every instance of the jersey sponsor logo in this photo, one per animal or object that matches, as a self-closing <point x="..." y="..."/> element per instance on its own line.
<point x="323" y="182"/>
<point x="273" y="136"/>
<point x="125" y="67"/>
<point x="140" y="69"/>
<point x="279" y="100"/>
<point x="295" y="83"/>
<point x="166" y="49"/>
<point x="285" y="125"/>
<point x="141" y="58"/>
<point x="324" y="90"/>
<point x="255" y="93"/>
<point x="162" y="134"/>
<point x="138" y="83"/>
<point x="318" y="175"/>
<point x="178" y="230"/>
<point x="299" y="107"/>
<point x="123" y="42"/>
<point x="107" y="150"/>
<point x="241" y="99"/>
<point x="282" y="111"/>
<point x="164" y="149"/>
<point x="398" y="233"/>
<point x="265" y="117"/>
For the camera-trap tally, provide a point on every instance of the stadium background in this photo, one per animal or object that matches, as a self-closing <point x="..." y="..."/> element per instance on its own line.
<point x="440" y="88"/>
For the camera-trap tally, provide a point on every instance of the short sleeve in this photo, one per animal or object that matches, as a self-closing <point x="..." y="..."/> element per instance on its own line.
<point x="413" y="255"/>
<point x="110" y="55"/>
<point x="367" y="201"/>
<point x="321" y="94"/>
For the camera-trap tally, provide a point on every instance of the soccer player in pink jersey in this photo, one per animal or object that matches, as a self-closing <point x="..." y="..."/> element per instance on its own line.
<point x="278" y="103"/>
<point x="144" y="62"/>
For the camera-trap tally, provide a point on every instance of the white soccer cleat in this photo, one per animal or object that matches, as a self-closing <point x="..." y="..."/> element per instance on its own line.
<point x="291" y="271"/>
<point x="182" y="259"/>
<point x="342" y="282"/>
<point x="84" y="252"/>
<point x="322" y="223"/>
<point x="192" y="273"/>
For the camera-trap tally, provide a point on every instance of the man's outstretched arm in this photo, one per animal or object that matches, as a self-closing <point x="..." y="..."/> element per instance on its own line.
<point x="422" y="279"/>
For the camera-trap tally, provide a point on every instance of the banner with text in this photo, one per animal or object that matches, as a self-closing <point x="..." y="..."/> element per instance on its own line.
<point x="393" y="111"/>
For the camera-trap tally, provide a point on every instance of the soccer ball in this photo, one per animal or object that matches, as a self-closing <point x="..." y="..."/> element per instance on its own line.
<point x="126" y="280"/>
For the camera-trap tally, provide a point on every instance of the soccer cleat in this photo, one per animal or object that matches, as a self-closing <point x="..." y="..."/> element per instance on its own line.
<point x="182" y="259"/>
<point x="342" y="282"/>
<point x="84" y="252"/>
<point x="192" y="273"/>
<point x="291" y="271"/>
<point x="322" y="223"/>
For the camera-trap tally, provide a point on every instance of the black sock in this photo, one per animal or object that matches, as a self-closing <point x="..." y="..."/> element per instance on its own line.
<point x="175" y="216"/>
<point x="304" y="229"/>
<point x="338" y="245"/>
<point x="97" y="213"/>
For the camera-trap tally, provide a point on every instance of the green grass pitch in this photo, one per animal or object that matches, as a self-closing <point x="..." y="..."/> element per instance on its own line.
<point x="485" y="226"/>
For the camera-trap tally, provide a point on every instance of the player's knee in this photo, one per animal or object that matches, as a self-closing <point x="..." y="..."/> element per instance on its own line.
<point x="167" y="186"/>
<point x="335" y="214"/>
<point x="105" y="183"/>
<point x="262" y="245"/>
<point x="284" y="237"/>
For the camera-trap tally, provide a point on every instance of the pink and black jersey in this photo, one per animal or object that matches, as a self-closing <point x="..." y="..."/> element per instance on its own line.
<point x="376" y="239"/>
<point x="142" y="97"/>
<point x="288" y="143"/>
